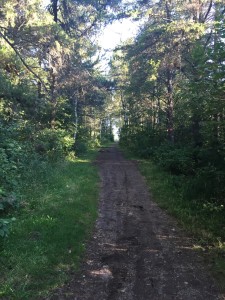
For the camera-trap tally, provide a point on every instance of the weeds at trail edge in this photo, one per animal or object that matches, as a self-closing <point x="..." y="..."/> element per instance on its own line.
<point x="205" y="222"/>
<point x="47" y="239"/>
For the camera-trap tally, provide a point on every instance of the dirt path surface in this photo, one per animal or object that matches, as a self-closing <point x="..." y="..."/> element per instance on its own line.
<point x="137" y="252"/>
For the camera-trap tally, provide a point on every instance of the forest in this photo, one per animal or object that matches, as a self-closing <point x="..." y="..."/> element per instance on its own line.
<point x="54" y="102"/>
<point x="164" y="90"/>
<point x="173" y="103"/>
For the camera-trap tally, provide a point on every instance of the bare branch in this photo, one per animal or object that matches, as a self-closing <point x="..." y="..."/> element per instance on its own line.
<point x="208" y="11"/>
<point x="23" y="61"/>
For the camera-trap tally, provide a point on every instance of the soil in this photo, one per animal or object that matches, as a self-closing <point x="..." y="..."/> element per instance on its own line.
<point x="137" y="252"/>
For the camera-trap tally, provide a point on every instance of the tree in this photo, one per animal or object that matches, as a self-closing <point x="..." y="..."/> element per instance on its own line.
<point x="51" y="96"/>
<point x="175" y="89"/>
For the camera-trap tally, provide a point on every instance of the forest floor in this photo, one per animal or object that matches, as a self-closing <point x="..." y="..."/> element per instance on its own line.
<point x="137" y="252"/>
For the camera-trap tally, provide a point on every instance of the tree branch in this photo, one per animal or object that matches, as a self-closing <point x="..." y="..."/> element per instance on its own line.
<point x="23" y="61"/>
<point x="208" y="11"/>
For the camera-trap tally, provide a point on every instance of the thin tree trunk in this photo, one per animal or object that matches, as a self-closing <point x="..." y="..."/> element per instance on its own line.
<point x="75" y="102"/>
<point x="170" y="124"/>
<point x="53" y="99"/>
<point x="196" y="130"/>
<point x="54" y="4"/>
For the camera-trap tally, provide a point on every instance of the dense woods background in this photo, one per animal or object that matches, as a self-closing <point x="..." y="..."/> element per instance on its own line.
<point x="171" y="86"/>
<point x="53" y="100"/>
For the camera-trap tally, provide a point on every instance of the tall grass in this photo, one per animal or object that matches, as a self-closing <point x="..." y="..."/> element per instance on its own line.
<point x="47" y="240"/>
<point x="206" y="222"/>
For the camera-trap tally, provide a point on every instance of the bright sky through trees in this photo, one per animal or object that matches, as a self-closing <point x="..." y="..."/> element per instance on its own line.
<point x="116" y="33"/>
<point x="112" y="35"/>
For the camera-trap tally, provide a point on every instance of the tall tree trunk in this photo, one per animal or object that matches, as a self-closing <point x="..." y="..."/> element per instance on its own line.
<point x="53" y="99"/>
<point x="170" y="124"/>
<point x="75" y="104"/>
<point x="196" y="130"/>
<point x="54" y="4"/>
<point x="125" y="117"/>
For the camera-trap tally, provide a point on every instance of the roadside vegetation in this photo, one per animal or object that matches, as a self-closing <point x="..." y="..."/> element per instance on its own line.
<point x="54" y="109"/>
<point x="54" y="101"/>
<point x="204" y="220"/>
<point x="58" y="207"/>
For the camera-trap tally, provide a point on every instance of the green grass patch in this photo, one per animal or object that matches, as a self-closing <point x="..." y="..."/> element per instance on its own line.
<point x="205" y="221"/>
<point x="57" y="213"/>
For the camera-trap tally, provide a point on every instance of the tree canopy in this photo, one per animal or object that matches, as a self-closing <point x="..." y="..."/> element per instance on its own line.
<point x="173" y="98"/>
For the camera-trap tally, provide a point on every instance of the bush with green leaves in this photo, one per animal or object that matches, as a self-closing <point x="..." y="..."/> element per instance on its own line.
<point x="208" y="183"/>
<point x="84" y="141"/>
<point x="177" y="160"/>
<point x="12" y="156"/>
<point x="141" y="141"/>
<point x="7" y="202"/>
<point x="53" y="143"/>
<point x="4" y="226"/>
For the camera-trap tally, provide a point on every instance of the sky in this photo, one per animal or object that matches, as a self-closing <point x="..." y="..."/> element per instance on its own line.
<point x="116" y="33"/>
<point x="113" y="34"/>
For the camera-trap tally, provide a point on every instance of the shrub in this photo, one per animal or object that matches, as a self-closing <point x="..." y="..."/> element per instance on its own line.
<point x="4" y="226"/>
<point x="175" y="160"/>
<point x="208" y="183"/>
<point x="53" y="143"/>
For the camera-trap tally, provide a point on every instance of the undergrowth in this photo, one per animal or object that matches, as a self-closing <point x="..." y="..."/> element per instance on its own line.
<point x="204" y="220"/>
<point x="58" y="207"/>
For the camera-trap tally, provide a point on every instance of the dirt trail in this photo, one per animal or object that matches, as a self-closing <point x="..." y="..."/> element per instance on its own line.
<point x="137" y="252"/>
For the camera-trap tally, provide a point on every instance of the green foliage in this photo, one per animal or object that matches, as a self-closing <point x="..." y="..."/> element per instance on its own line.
<point x="53" y="143"/>
<point x="106" y="138"/>
<point x="207" y="184"/>
<point x="57" y="213"/>
<point x="173" y="99"/>
<point x="5" y="226"/>
<point x="12" y="157"/>
<point x="205" y="219"/>
<point x="177" y="160"/>
<point x="48" y="91"/>
<point x="85" y="142"/>
<point x="199" y="172"/>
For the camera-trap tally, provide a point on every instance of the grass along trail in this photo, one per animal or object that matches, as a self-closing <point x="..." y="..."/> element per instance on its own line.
<point x="137" y="251"/>
<point x="58" y="210"/>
